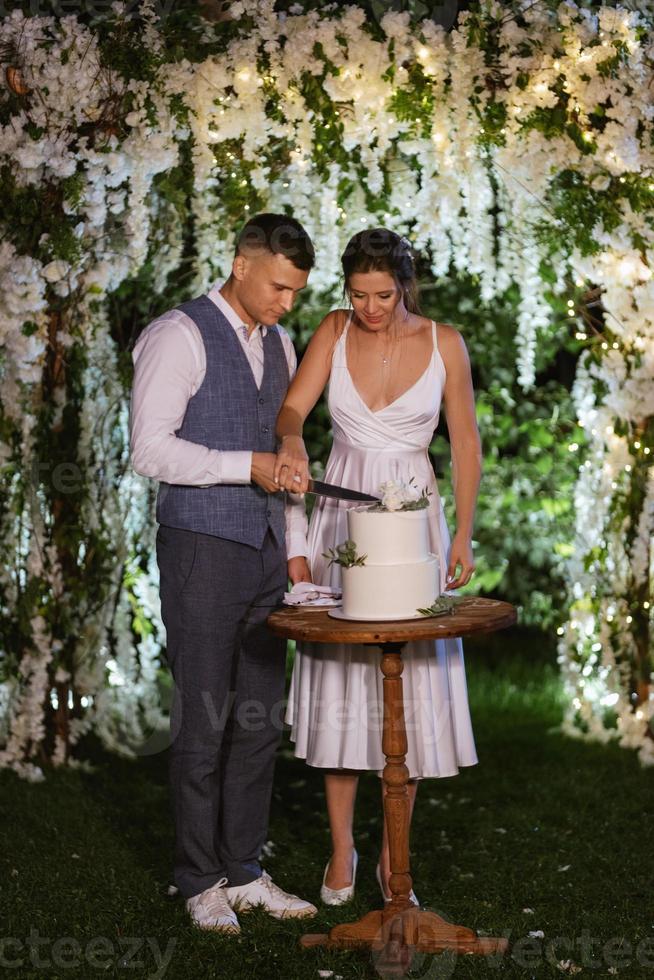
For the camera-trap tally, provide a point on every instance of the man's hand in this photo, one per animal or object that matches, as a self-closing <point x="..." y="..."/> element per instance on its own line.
<point x="262" y="472"/>
<point x="298" y="570"/>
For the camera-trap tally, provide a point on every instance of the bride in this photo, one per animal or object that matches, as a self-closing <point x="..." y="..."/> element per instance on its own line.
<point x="388" y="369"/>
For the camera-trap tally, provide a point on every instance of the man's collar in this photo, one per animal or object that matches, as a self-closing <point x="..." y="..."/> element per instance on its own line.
<point x="228" y="312"/>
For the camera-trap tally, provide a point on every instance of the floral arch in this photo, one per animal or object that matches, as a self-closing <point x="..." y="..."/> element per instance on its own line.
<point x="517" y="146"/>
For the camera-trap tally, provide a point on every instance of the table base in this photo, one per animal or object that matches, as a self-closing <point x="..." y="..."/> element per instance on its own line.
<point x="400" y="931"/>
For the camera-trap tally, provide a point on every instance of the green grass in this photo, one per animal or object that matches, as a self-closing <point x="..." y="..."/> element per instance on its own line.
<point x="543" y="822"/>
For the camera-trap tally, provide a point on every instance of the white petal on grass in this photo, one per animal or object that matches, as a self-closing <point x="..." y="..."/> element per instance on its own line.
<point x="564" y="867"/>
<point x="537" y="934"/>
<point x="528" y="911"/>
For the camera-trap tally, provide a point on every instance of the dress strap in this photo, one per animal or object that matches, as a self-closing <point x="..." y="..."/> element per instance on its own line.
<point x="343" y="337"/>
<point x="434" y="335"/>
<point x="338" y="354"/>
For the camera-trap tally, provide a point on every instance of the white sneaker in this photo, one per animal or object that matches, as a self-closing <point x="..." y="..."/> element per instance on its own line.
<point x="278" y="903"/>
<point x="211" y="909"/>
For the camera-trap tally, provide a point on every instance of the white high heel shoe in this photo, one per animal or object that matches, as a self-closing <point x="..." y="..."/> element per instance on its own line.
<point x="412" y="896"/>
<point x="338" y="896"/>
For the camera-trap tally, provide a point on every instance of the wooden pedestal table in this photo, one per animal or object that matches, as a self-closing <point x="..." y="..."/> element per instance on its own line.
<point x="400" y="925"/>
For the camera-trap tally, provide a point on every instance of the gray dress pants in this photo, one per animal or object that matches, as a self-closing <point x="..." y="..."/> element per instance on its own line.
<point x="228" y="705"/>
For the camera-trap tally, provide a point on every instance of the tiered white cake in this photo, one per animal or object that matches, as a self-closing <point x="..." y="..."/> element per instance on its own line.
<point x="400" y="575"/>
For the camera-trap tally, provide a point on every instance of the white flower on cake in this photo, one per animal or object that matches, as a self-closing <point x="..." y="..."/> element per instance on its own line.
<point x="402" y="496"/>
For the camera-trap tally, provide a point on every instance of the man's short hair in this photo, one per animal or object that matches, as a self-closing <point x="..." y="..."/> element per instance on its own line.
<point x="280" y="235"/>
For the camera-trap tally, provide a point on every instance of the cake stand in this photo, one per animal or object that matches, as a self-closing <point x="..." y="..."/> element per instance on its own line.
<point x="400" y="928"/>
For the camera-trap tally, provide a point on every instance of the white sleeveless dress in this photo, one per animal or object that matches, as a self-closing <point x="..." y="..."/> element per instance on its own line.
<point x="335" y="701"/>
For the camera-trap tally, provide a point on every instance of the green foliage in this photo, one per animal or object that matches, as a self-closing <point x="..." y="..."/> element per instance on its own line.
<point x="415" y="102"/>
<point x="345" y="554"/>
<point x="525" y="521"/>
<point x="39" y="226"/>
<point x="444" y="605"/>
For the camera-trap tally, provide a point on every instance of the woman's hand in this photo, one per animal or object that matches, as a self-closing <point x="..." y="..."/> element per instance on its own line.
<point x="461" y="565"/>
<point x="292" y="465"/>
<point x="298" y="570"/>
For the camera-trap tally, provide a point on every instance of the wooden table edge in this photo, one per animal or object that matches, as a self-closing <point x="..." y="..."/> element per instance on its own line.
<point x="315" y="625"/>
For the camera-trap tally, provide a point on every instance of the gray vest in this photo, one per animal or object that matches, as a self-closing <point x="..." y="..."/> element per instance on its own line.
<point x="229" y="412"/>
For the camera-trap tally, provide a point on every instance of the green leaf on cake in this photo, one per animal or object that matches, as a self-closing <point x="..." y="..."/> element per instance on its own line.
<point x="345" y="554"/>
<point x="444" y="605"/>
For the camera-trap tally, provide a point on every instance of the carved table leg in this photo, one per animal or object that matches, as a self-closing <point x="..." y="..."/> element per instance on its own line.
<point x="400" y="927"/>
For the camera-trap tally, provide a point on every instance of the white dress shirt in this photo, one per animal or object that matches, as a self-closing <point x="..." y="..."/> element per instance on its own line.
<point x="169" y="367"/>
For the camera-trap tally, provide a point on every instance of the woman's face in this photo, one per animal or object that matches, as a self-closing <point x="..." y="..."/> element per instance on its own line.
<point x="376" y="299"/>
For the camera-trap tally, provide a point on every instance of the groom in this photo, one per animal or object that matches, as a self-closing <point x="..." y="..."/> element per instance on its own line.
<point x="209" y="379"/>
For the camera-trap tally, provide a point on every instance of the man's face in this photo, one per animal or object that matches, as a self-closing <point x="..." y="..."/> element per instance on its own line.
<point x="267" y="285"/>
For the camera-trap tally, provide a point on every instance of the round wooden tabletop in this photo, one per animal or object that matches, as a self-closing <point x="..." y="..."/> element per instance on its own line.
<point x="472" y="615"/>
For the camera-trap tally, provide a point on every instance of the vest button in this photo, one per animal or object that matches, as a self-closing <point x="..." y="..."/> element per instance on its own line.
<point x="268" y="513"/>
<point x="262" y="401"/>
<point x="264" y="428"/>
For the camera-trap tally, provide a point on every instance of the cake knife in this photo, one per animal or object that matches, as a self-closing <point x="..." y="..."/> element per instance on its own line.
<point x="341" y="493"/>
